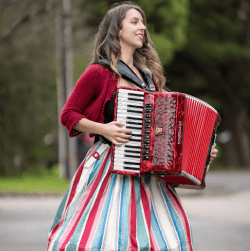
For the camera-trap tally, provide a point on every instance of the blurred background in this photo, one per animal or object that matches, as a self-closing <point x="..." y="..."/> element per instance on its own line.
<point x="45" y="46"/>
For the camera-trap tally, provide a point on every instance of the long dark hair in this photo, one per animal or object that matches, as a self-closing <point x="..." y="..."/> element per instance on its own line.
<point x="107" y="42"/>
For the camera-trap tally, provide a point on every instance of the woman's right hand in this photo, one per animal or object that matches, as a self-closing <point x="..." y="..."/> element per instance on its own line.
<point x="114" y="132"/>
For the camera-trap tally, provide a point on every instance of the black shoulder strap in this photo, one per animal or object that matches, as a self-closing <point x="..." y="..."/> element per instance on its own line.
<point x="126" y="73"/>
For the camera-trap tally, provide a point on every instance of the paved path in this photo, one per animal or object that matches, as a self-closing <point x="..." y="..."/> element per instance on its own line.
<point x="219" y="216"/>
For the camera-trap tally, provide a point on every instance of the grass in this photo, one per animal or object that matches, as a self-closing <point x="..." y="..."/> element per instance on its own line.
<point x="44" y="183"/>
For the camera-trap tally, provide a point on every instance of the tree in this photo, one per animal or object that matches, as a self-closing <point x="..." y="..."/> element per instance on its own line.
<point x="214" y="66"/>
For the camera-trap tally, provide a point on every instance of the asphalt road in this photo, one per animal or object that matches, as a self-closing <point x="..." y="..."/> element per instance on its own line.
<point x="219" y="216"/>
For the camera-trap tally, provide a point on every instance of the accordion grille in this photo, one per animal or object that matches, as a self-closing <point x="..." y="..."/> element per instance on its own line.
<point x="199" y="123"/>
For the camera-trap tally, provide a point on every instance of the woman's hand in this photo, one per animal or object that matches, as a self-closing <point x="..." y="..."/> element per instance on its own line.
<point x="213" y="153"/>
<point x="115" y="134"/>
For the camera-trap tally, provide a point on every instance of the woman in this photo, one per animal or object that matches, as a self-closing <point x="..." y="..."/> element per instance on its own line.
<point x="102" y="210"/>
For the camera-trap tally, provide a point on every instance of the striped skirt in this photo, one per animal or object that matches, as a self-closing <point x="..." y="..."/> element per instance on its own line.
<point x="106" y="211"/>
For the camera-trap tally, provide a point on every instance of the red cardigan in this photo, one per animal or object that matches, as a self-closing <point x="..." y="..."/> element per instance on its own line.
<point x="89" y="97"/>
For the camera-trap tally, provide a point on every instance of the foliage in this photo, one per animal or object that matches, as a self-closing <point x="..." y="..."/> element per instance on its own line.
<point x="166" y="20"/>
<point x="214" y="66"/>
<point x="203" y="44"/>
<point x="46" y="182"/>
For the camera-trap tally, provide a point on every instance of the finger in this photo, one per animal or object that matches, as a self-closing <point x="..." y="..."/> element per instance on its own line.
<point x="118" y="123"/>
<point x="116" y="143"/>
<point x="122" y="140"/>
<point x="119" y="142"/>
<point x="125" y="136"/>
<point x="124" y="131"/>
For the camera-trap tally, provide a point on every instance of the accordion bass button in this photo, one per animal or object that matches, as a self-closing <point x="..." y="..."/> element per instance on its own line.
<point x="148" y="105"/>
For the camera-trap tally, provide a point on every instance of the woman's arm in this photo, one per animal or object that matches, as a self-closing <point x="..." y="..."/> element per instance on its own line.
<point x="112" y="131"/>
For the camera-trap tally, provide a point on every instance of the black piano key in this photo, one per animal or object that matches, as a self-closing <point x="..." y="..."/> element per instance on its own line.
<point x="127" y="146"/>
<point x="134" y="123"/>
<point x="135" y="106"/>
<point x="134" y="118"/>
<point x="134" y="111"/>
<point x="132" y="127"/>
<point x="131" y="168"/>
<point x="131" y="156"/>
<point x="136" y="140"/>
<point x="131" y="151"/>
<point x="136" y="94"/>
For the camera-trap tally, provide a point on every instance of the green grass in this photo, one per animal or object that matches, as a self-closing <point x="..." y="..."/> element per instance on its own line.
<point x="44" y="183"/>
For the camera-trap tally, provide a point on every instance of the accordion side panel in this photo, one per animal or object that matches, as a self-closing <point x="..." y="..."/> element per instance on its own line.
<point x="198" y="130"/>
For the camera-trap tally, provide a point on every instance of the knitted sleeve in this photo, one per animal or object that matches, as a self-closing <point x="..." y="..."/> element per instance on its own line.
<point x="82" y="94"/>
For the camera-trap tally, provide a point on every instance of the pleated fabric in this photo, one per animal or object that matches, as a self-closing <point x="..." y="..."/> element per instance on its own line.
<point x="106" y="211"/>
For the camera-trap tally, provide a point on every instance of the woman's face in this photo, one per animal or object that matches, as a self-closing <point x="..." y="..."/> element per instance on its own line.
<point x="133" y="30"/>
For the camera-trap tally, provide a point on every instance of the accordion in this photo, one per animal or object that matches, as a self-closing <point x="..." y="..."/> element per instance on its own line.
<point x="172" y="136"/>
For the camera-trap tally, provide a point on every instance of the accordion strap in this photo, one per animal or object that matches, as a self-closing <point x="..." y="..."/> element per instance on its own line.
<point x="128" y="74"/>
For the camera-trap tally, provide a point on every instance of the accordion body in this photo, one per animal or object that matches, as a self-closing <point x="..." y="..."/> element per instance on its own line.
<point x="172" y="136"/>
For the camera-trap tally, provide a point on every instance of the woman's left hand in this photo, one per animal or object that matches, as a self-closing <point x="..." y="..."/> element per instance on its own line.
<point x="213" y="153"/>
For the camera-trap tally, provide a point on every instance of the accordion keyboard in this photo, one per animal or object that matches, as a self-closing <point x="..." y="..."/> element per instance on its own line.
<point x="130" y="113"/>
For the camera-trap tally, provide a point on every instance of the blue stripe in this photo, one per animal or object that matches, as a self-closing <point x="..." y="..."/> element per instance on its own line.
<point x="76" y="235"/>
<point x="60" y="209"/>
<point x="121" y="215"/>
<point x="176" y="220"/>
<point x="141" y="230"/>
<point x="106" y="209"/>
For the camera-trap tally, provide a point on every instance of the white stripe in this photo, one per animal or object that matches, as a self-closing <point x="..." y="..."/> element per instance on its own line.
<point x="162" y="214"/>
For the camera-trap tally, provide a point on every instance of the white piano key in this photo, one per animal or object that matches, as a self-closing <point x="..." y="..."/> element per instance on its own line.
<point x="126" y="108"/>
<point x="139" y="104"/>
<point x="126" y="99"/>
<point x="130" y="91"/>
<point x="127" y="153"/>
<point x="132" y="114"/>
<point x="130" y="98"/>
<point x="117" y="158"/>
<point x="122" y="165"/>
<point x="126" y="170"/>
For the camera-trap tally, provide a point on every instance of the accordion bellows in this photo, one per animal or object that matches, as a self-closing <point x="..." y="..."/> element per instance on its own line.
<point x="172" y="136"/>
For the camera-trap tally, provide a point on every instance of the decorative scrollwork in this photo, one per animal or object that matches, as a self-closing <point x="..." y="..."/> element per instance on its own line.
<point x="165" y="114"/>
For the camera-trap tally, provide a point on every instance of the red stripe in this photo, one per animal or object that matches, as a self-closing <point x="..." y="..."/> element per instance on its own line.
<point x="71" y="196"/>
<point x="147" y="212"/>
<point x="97" y="180"/>
<point x="133" y="219"/>
<point x="187" y="228"/>
<point x="77" y="178"/>
<point x="92" y="214"/>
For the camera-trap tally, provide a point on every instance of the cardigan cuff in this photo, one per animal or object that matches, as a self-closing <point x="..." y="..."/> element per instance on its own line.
<point x="72" y="131"/>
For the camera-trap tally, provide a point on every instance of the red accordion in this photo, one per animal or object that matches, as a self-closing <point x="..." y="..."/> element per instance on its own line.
<point x="172" y="136"/>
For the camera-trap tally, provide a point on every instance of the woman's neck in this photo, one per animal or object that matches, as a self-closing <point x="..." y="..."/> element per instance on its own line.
<point x="127" y="57"/>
